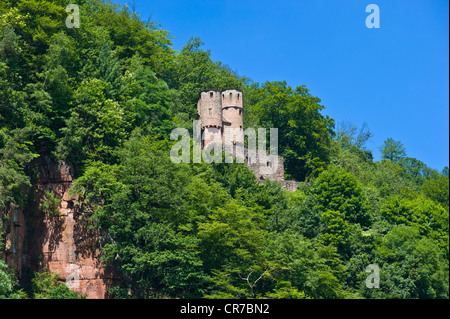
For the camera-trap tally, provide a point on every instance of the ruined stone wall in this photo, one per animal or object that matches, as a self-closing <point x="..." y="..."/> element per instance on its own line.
<point x="265" y="166"/>
<point x="290" y="185"/>
<point x="269" y="167"/>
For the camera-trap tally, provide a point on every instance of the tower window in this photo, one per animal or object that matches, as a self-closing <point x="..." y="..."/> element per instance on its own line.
<point x="211" y="94"/>
<point x="238" y="96"/>
<point x="231" y="95"/>
<point x="240" y="112"/>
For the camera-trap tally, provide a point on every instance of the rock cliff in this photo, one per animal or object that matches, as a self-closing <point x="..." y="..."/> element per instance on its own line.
<point x="60" y="242"/>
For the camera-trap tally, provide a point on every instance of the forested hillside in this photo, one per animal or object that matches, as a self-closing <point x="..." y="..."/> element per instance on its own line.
<point x="104" y="97"/>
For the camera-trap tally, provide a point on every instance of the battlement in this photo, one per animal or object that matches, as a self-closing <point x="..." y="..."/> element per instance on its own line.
<point x="232" y="98"/>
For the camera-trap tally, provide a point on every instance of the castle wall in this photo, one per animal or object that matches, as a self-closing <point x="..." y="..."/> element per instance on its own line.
<point x="290" y="185"/>
<point x="265" y="166"/>
<point x="233" y="125"/>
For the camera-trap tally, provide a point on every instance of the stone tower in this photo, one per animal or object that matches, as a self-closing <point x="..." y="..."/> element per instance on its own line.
<point x="209" y="108"/>
<point x="233" y="120"/>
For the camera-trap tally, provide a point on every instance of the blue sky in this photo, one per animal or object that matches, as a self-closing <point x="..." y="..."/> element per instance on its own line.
<point x="395" y="78"/>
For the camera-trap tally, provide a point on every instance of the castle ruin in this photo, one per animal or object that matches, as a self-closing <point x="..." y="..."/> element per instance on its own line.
<point x="221" y="115"/>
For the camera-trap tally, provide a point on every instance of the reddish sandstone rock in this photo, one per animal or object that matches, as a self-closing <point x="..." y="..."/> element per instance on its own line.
<point x="62" y="242"/>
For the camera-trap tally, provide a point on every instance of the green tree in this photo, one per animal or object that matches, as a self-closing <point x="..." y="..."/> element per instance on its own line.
<point x="149" y="100"/>
<point x="95" y="127"/>
<point x="411" y="266"/>
<point x="232" y="235"/>
<point x="284" y="290"/>
<point x="392" y="150"/>
<point x="9" y="288"/>
<point x="348" y="135"/>
<point x="418" y="211"/>
<point x="108" y="70"/>
<point x="337" y="190"/>
<point x="49" y="286"/>
<point x="303" y="132"/>
<point x="142" y="209"/>
<point x="16" y="152"/>
<point x="436" y="187"/>
<point x="194" y="72"/>
<point x="314" y="269"/>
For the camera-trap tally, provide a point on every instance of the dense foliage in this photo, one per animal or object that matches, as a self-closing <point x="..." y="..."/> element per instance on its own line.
<point x="105" y="97"/>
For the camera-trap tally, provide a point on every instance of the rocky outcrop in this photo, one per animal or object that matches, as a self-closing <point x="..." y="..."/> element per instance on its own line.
<point x="60" y="242"/>
<point x="15" y="230"/>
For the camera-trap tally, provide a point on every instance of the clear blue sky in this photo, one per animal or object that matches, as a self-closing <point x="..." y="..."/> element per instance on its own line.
<point x="395" y="78"/>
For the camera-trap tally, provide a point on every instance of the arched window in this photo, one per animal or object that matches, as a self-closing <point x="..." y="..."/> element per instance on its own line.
<point x="211" y="94"/>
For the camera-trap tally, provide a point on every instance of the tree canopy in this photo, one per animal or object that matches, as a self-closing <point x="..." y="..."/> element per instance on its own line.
<point x="104" y="97"/>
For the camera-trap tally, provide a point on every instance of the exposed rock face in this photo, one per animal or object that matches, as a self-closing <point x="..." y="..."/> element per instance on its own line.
<point x="60" y="242"/>
<point x="14" y="238"/>
<point x="68" y="246"/>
